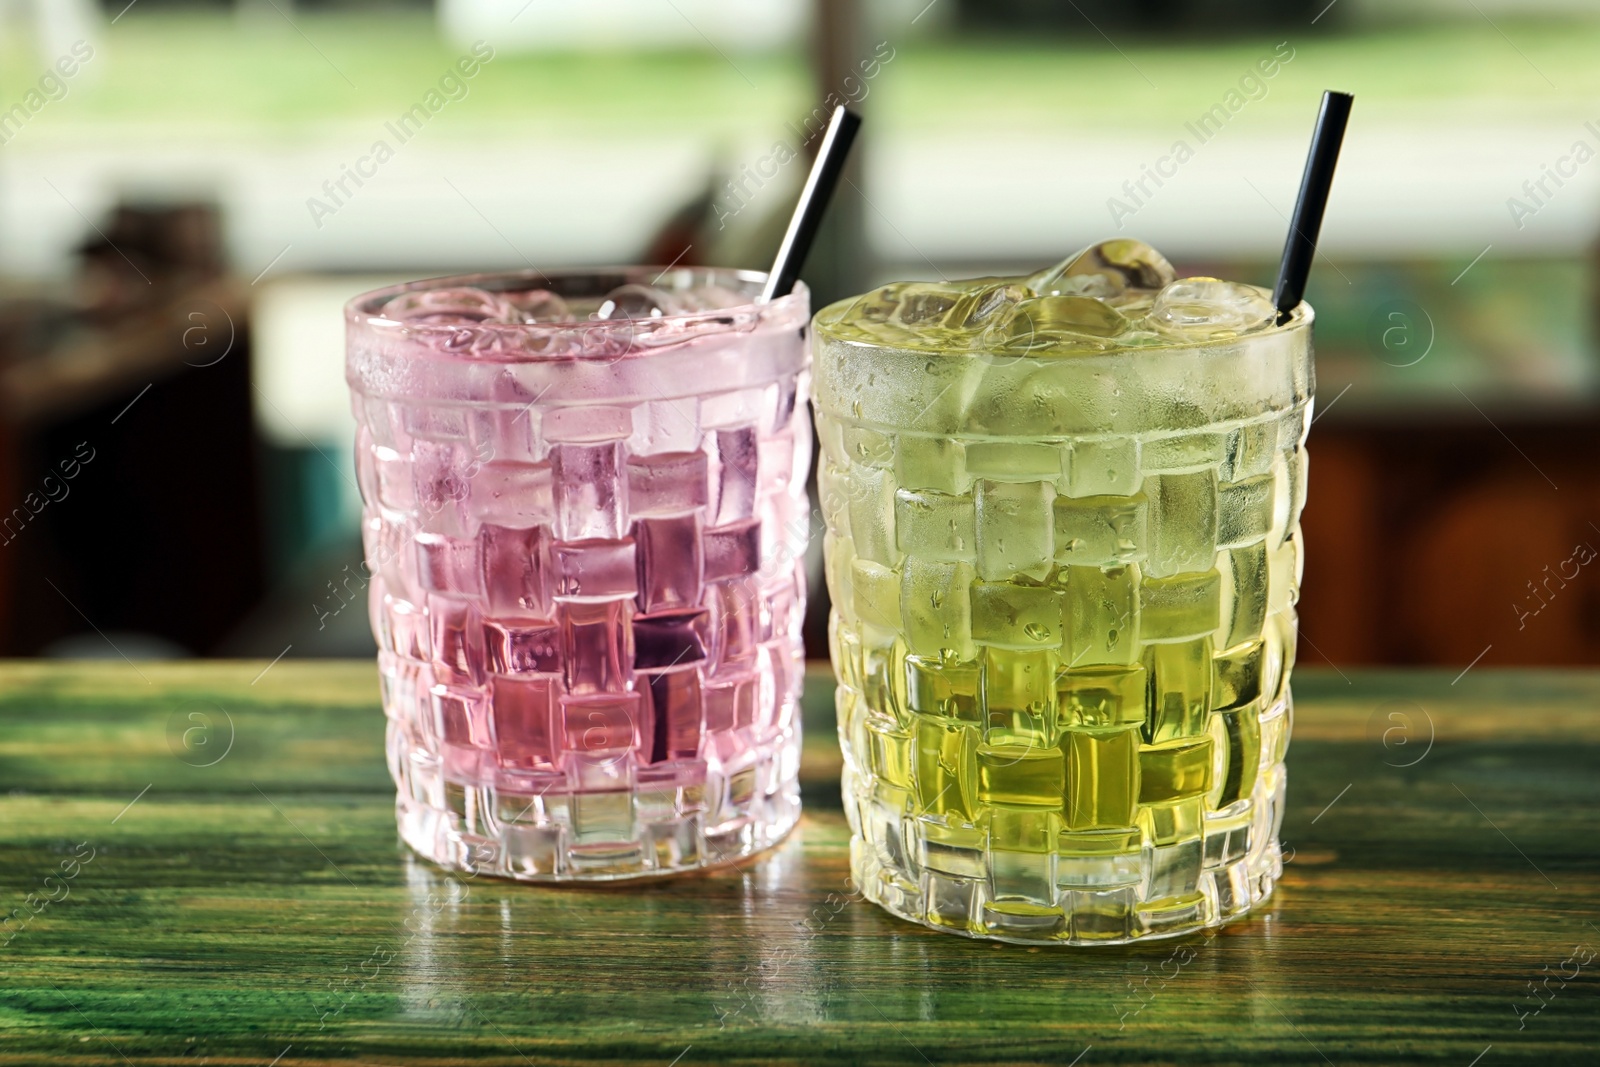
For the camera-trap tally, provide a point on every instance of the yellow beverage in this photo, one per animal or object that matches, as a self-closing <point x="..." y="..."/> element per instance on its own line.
<point x="1063" y="550"/>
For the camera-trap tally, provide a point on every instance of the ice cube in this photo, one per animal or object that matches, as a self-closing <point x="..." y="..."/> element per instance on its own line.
<point x="926" y="303"/>
<point x="1106" y="271"/>
<point x="875" y="307"/>
<point x="711" y="298"/>
<point x="537" y="305"/>
<point x="449" y="307"/>
<point x="1069" y="321"/>
<point x="1207" y="308"/>
<point x="635" y="301"/>
<point x="982" y="307"/>
<point x="1106" y="287"/>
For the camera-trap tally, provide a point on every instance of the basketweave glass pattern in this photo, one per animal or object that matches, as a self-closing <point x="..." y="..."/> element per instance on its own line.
<point x="586" y="542"/>
<point x="1063" y="624"/>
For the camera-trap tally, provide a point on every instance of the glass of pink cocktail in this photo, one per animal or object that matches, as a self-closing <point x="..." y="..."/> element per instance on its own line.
<point x="585" y="515"/>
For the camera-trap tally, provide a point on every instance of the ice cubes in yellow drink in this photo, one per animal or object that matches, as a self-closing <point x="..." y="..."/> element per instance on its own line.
<point x="1063" y="550"/>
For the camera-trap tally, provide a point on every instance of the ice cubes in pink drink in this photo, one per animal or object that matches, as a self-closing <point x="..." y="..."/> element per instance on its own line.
<point x="537" y="305"/>
<point x="448" y="307"/>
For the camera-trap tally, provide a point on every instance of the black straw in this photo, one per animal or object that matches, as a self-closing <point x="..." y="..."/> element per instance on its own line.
<point x="813" y="203"/>
<point x="1301" y="246"/>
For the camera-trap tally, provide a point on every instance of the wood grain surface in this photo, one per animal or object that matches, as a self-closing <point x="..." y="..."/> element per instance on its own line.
<point x="200" y="866"/>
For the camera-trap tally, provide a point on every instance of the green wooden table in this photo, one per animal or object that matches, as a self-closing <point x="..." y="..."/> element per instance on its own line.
<point x="215" y="878"/>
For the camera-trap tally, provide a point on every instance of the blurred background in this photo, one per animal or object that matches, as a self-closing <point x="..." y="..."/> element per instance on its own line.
<point x="190" y="191"/>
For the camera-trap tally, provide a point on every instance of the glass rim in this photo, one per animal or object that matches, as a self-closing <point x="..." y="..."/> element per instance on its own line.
<point x="365" y="308"/>
<point x="826" y="318"/>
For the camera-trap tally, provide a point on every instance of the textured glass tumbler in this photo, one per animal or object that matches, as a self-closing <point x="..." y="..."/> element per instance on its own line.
<point x="1063" y="623"/>
<point x="586" y="543"/>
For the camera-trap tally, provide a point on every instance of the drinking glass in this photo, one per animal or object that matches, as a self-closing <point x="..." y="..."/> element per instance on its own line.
<point x="1063" y="550"/>
<point x="584" y="519"/>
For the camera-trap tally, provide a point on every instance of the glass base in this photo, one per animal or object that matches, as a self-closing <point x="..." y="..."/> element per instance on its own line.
<point x="1161" y="891"/>
<point x="460" y="837"/>
<point x="1019" y="924"/>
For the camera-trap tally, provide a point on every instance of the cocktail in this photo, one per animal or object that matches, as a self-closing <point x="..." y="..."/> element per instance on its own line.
<point x="1063" y="550"/>
<point x="585" y="512"/>
<point x="585" y="515"/>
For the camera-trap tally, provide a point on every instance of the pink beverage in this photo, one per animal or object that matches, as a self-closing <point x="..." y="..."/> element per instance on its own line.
<point x="585" y="516"/>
